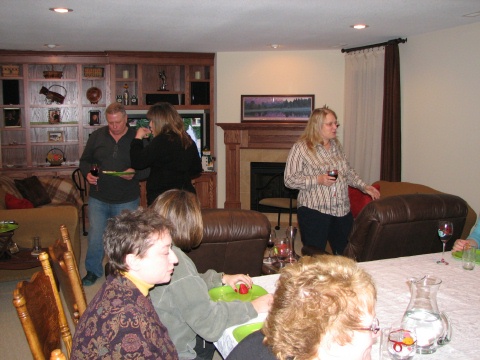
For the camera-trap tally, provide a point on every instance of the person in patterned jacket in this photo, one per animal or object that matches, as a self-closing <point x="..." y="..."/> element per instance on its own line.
<point x="121" y="322"/>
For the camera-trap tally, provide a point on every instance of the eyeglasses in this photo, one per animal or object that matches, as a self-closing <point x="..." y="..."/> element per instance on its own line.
<point x="375" y="327"/>
<point x="337" y="124"/>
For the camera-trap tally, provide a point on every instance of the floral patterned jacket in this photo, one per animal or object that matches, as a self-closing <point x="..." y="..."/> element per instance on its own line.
<point x="121" y="323"/>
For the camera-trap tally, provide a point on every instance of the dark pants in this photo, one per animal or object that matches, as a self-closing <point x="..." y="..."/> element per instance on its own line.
<point x="204" y="349"/>
<point x="316" y="228"/>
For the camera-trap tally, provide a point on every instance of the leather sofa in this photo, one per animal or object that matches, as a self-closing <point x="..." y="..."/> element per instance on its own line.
<point x="392" y="188"/>
<point x="234" y="241"/>
<point x="404" y="225"/>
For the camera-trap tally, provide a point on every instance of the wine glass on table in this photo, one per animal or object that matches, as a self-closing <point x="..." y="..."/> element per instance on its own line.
<point x="270" y="245"/>
<point x="291" y="233"/>
<point x="334" y="173"/>
<point x="282" y="250"/>
<point x="445" y="232"/>
<point x="95" y="171"/>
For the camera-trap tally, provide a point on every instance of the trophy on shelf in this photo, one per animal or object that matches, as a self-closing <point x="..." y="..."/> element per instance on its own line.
<point x="163" y="77"/>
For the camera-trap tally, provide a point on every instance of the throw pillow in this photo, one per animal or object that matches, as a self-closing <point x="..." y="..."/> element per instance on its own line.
<point x="32" y="189"/>
<point x="13" y="202"/>
<point x="358" y="200"/>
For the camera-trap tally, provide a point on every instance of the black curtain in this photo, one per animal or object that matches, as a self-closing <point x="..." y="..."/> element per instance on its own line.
<point x="391" y="157"/>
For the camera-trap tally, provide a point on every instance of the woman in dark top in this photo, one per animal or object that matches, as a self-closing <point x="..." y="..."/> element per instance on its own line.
<point x="171" y="154"/>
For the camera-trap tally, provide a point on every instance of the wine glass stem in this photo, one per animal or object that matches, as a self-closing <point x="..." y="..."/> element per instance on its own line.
<point x="443" y="252"/>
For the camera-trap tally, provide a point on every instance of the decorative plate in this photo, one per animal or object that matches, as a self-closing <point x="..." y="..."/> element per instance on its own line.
<point x="226" y="293"/>
<point x="94" y="95"/>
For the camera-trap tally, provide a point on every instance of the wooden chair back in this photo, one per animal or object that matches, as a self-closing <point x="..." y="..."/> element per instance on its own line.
<point x="68" y="276"/>
<point x="41" y="313"/>
<point x="82" y="186"/>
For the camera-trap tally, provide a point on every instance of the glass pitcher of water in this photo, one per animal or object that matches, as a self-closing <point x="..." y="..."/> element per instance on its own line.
<point x="422" y="314"/>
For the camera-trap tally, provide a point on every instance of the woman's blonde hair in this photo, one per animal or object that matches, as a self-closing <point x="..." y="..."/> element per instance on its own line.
<point x="183" y="209"/>
<point x="167" y="120"/>
<point x="311" y="135"/>
<point x="320" y="295"/>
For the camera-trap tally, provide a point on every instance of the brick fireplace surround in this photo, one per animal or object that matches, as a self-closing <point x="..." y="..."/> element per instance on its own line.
<point x="261" y="137"/>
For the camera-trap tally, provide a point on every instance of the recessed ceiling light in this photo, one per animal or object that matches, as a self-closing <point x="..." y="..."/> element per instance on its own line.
<point x="359" y="26"/>
<point x="51" y="46"/>
<point x="61" y="10"/>
<point x="472" y="14"/>
<point x="274" y="46"/>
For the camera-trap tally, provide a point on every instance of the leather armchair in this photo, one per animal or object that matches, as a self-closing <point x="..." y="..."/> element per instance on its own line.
<point x="404" y="225"/>
<point x="234" y="241"/>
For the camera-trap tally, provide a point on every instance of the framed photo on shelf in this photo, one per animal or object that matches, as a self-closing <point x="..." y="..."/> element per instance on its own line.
<point x="56" y="136"/>
<point x="276" y="108"/>
<point x="54" y="116"/>
<point x="12" y="117"/>
<point x="94" y="117"/>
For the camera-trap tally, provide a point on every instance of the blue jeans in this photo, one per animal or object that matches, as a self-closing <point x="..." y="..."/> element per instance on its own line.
<point x="98" y="214"/>
<point x="316" y="228"/>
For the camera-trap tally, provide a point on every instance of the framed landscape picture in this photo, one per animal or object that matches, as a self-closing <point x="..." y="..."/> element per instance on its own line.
<point x="276" y="108"/>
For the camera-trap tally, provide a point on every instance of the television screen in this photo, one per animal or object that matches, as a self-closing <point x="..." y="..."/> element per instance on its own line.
<point x="194" y="124"/>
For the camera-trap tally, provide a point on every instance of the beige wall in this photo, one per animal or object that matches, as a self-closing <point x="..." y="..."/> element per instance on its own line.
<point x="440" y="102"/>
<point x="441" y="111"/>
<point x="263" y="73"/>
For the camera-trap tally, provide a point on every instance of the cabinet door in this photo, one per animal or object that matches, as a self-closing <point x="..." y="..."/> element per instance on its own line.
<point x="206" y="188"/>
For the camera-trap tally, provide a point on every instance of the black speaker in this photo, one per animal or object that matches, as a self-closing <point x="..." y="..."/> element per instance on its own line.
<point x="11" y="92"/>
<point x="200" y="93"/>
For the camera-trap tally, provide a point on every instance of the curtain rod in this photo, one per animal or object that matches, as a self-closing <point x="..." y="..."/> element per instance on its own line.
<point x="390" y="42"/>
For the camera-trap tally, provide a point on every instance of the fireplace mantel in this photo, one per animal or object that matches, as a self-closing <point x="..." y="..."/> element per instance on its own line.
<point x="239" y="136"/>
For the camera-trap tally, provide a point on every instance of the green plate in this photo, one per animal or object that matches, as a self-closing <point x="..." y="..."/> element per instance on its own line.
<point x="7" y="227"/>
<point x="119" y="173"/>
<point x="458" y="255"/>
<point x="243" y="331"/>
<point x="226" y="293"/>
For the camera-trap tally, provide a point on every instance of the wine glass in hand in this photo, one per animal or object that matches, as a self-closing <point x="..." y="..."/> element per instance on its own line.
<point x="95" y="170"/>
<point x="334" y="173"/>
<point x="445" y="232"/>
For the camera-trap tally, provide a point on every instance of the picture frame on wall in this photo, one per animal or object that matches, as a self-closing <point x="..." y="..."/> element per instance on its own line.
<point x="54" y="116"/>
<point x="56" y="136"/>
<point x="276" y="108"/>
<point x="94" y="117"/>
<point x="11" y="117"/>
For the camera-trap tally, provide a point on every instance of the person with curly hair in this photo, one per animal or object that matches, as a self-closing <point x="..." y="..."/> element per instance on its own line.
<point x="323" y="308"/>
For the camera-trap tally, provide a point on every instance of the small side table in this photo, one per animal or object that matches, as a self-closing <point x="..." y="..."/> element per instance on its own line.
<point x="20" y="261"/>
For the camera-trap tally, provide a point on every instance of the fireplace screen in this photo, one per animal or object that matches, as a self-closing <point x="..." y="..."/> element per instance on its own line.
<point x="266" y="181"/>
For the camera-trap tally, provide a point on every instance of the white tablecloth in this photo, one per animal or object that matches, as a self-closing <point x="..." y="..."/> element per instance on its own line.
<point x="458" y="296"/>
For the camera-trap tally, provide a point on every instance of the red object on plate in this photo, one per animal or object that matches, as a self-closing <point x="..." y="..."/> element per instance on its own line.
<point x="243" y="289"/>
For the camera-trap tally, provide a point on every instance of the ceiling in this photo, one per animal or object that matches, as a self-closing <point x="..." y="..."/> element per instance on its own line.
<point x="222" y="25"/>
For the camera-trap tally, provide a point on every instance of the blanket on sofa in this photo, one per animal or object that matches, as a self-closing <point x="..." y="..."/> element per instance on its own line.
<point x="60" y="190"/>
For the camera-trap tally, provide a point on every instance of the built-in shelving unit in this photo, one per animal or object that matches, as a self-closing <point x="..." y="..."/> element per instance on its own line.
<point x="32" y="123"/>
